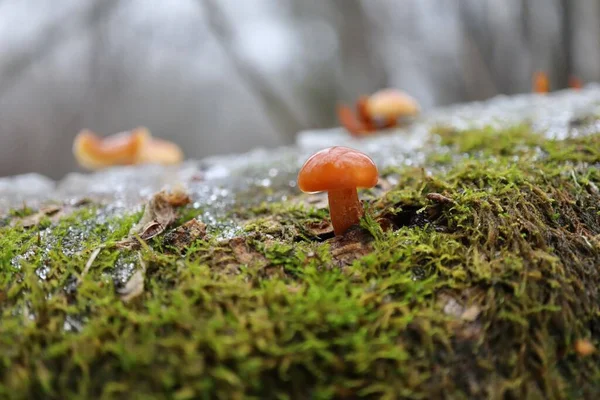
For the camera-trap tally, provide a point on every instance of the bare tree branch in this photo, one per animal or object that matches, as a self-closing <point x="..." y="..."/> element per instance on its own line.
<point x="281" y="116"/>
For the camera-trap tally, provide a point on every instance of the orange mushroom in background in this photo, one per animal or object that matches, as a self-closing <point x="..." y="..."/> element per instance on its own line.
<point x="381" y="110"/>
<point x="389" y="105"/>
<point x="350" y="121"/>
<point x="125" y="148"/>
<point x="541" y="83"/>
<point x="339" y="171"/>
<point x="575" y="82"/>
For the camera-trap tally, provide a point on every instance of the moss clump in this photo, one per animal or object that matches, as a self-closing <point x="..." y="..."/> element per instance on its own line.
<point x="471" y="277"/>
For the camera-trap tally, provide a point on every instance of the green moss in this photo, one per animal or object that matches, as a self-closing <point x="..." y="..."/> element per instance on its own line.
<point x="480" y="293"/>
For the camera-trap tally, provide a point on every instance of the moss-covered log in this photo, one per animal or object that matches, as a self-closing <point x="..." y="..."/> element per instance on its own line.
<point x="475" y="274"/>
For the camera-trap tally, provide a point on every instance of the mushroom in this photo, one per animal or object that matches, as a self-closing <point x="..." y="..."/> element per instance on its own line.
<point x="354" y="125"/>
<point x="339" y="171"/>
<point x="374" y="122"/>
<point x="541" y="83"/>
<point x="388" y="105"/>
<point x="125" y="148"/>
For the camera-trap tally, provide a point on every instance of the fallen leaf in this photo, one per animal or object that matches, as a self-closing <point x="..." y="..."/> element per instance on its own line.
<point x="34" y="219"/>
<point x="135" y="285"/>
<point x="151" y="229"/>
<point x="439" y="198"/>
<point x="321" y="229"/>
<point x="177" y="197"/>
<point x="159" y="213"/>
<point x="183" y="236"/>
<point x="244" y="254"/>
<point x="352" y="245"/>
<point x="133" y="288"/>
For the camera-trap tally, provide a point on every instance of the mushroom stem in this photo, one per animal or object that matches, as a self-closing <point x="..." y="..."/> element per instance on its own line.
<point x="344" y="208"/>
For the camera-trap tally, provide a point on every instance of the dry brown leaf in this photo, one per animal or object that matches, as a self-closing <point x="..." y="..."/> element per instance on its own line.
<point x="151" y="229"/>
<point x="351" y="246"/>
<point x="321" y="228"/>
<point x="35" y="219"/>
<point x="245" y="254"/>
<point x="135" y="285"/>
<point x="159" y="213"/>
<point x="439" y="198"/>
<point x="177" y="197"/>
<point x="184" y="235"/>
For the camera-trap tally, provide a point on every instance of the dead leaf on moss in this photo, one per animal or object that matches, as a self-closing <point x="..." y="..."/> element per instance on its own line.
<point x="159" y="213"/>
<point x="34" y="219"/>
<point x="245" y="254"/>
<point x="135" y="285"/>
<point x="186" y="234"/>
<point x="177" y="197"/>
<point x="321" y="229"/>
<point x="351" y="246"/>
<point x="439" y="198"/>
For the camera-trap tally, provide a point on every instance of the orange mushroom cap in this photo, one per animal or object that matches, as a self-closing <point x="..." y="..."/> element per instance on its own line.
<point x="93" y="152"/>
<point x="337" y="168"/>
<point x="391" y="104"/>
<point x="125" y="148"/>
<point x="541" y="82"/>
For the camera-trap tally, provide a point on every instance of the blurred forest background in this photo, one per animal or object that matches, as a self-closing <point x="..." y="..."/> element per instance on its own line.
<point x="222" y="76"/>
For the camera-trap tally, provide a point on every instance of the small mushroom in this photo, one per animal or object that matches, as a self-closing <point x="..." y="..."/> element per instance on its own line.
<point x="339" y="171"/>
<point x="373" y="121"/>
<point x="389" y="105"/>
<point x="541" y="83"/>
<point x="352" y="123"/>
<point x="125" y="148"/>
